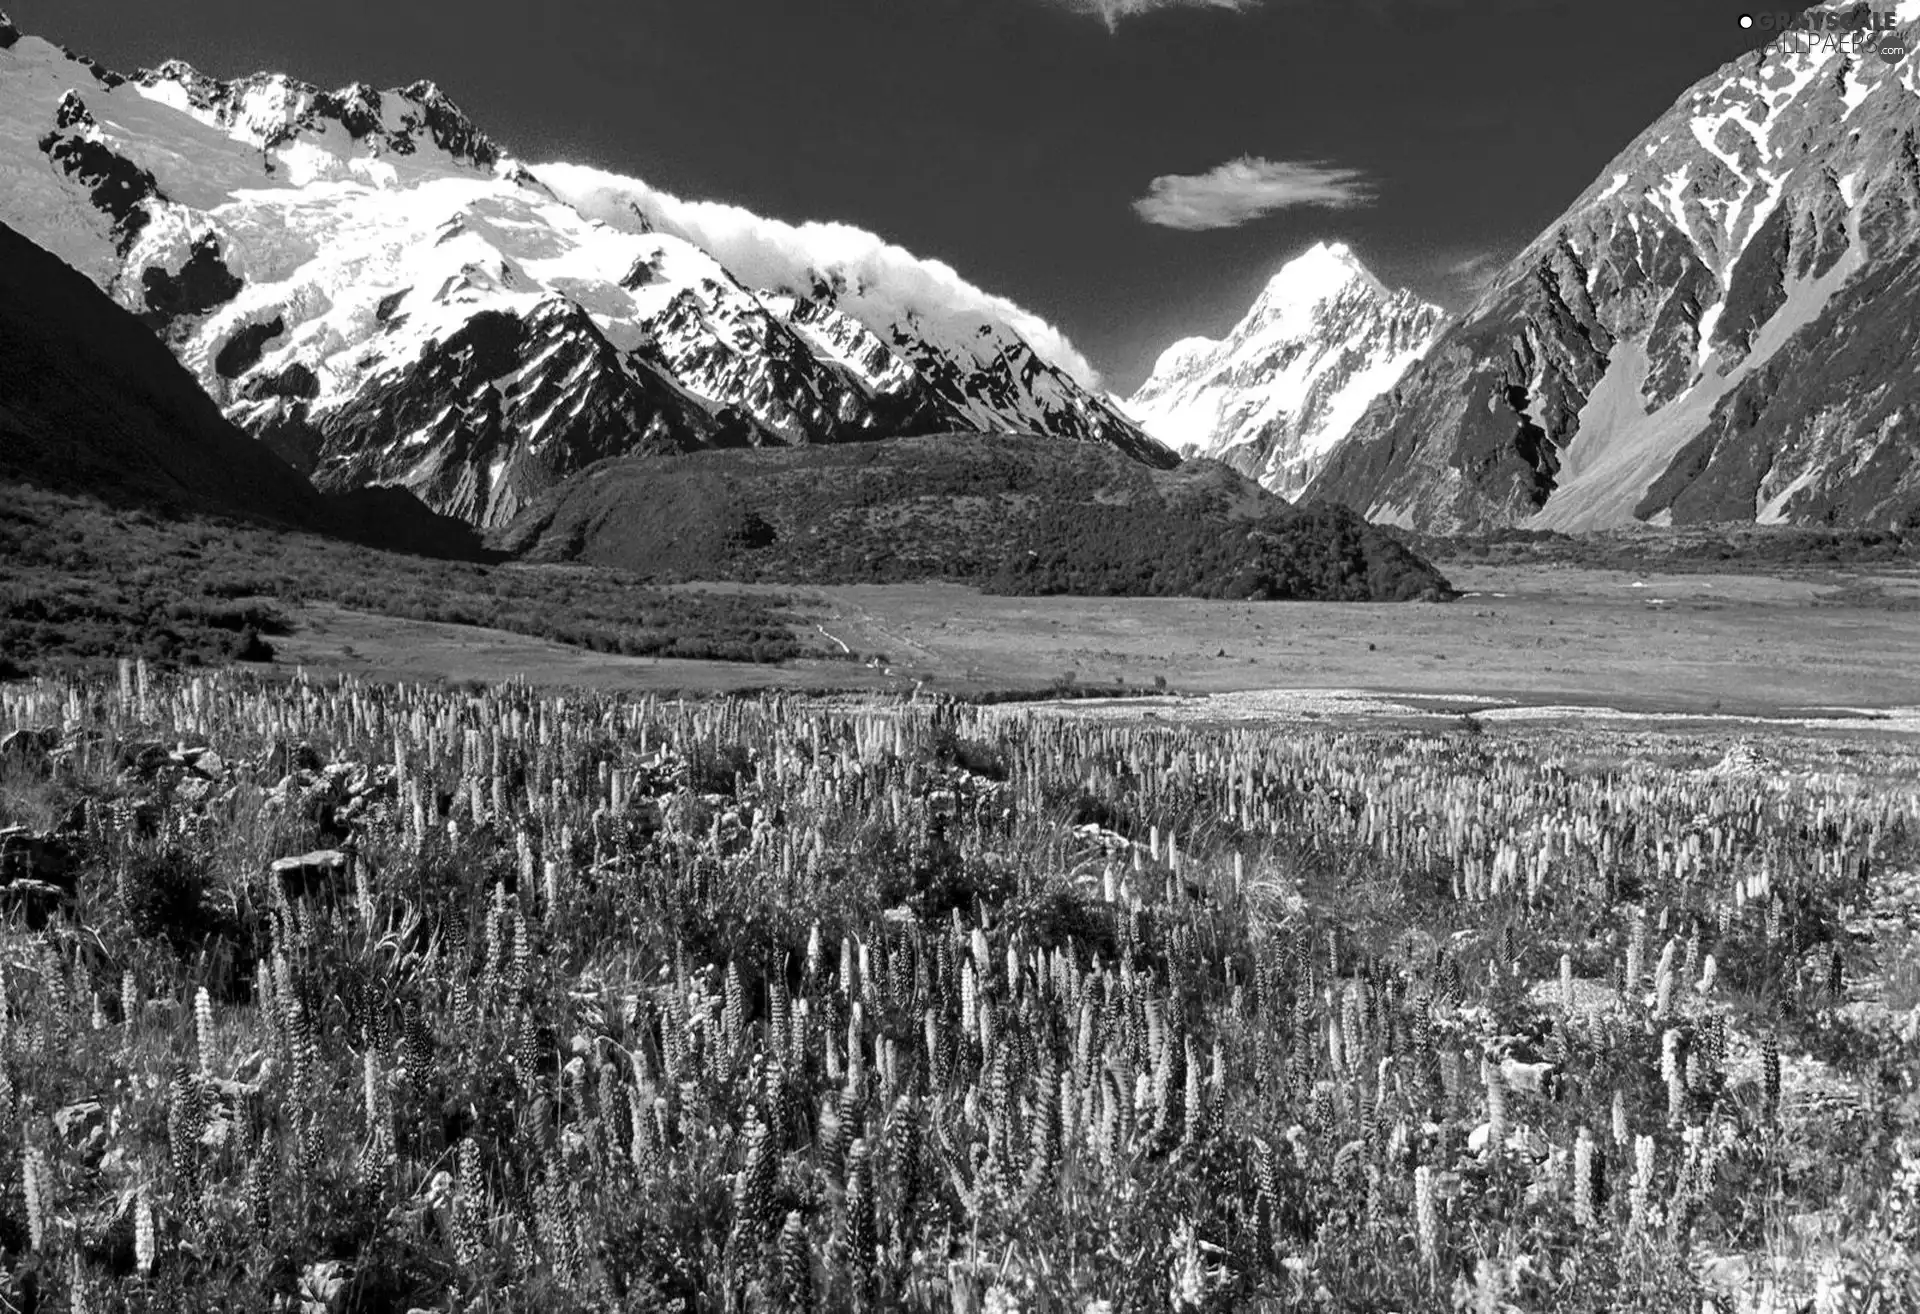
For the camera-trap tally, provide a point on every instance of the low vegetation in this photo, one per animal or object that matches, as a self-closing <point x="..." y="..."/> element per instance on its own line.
<point x="84" y="581"/>
<point x="1728" y="549"/>
<point x="1324" y="553"/>
<point x="349" y="997"/>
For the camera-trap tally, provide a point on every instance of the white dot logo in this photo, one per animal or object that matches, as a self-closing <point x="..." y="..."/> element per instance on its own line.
<point x="1746" y="20"/>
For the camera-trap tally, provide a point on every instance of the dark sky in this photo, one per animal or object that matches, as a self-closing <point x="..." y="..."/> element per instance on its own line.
<point x="1010" y="137"/>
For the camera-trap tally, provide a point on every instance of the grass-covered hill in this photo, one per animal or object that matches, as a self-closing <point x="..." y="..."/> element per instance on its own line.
<point x="1011" y="514"/>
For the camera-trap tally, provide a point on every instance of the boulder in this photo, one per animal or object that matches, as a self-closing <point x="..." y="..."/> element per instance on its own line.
<point x="83" y="1127"/>
<point x="76" y="1122"/>
<point x="36" y="873"/>
<point x="30" y="746"/>
<point x="142" y="760"/>
<point x="317" y="875"/>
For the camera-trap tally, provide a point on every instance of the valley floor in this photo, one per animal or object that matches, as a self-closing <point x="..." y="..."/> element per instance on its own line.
<point x="1736" y="644"/>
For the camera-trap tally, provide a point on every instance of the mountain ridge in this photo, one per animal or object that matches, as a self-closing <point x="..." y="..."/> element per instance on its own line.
<point x="1721" y="327"/>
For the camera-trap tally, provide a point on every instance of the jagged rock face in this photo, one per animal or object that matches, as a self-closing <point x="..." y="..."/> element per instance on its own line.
<point x="986" y="379"/>
<point x="271" y="111"/>
<point x="115" y="186"/>
<point x="364" y="281"/>
<point x="505" y="406"/>
<point x="1275" y="396"/>
<point x="1720" y="328"/>
<point x="934" y="370"/>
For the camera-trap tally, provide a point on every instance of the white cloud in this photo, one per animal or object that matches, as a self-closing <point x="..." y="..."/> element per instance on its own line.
<point x="1112" y="11"/>
<point x="1477" y="271"/>
<point x="1461" y="276"/>
<point x="885" y="283"/>
<point x="1242" y="190"/>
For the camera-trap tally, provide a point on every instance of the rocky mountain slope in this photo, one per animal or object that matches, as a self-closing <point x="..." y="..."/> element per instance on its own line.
<point x="1724" y="327"/>
<point x="1009" y="514"/>
<point x="90" y="400"/>
<point x="1280" y="391"/>
<point x="364" y="281"/>
<point x="92" y="403"/>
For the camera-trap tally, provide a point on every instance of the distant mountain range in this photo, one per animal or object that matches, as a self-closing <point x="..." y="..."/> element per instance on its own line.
<point x="1725" y="326"/>
<point x="1278" y="393"/>
<point x="365" y="282"/>
<point x="92" y="403"/>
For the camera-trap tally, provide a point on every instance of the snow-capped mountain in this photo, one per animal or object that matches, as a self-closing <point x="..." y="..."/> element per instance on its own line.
<point x="1724" y="326"/>
<point x="370" y="285"/>
<point x="1276" y="394"/>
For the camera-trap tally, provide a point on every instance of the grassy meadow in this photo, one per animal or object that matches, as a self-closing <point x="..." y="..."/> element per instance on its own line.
<point x="349" y="996"/>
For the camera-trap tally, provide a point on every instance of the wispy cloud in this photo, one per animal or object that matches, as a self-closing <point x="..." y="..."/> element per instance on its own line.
<point x="1112" y="11"/>
<point x="1475" y="273"/>
<point x="1242" y="190"/>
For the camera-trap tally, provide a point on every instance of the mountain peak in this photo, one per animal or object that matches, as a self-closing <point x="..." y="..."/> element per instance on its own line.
<point x="1325" y="252"/>
<point x="1274" y="396"/>
<point x="1319" y="273"/>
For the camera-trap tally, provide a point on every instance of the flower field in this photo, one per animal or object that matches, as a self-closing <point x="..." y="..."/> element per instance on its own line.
<point x="340" y="996"/>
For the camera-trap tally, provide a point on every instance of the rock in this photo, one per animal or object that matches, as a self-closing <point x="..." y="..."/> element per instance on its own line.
<point x="75" y="1121"/>
<point x="315" y="875"/>
<point x="74" y="820"/>
<point x="143" y="760"/>
<point x="284" y="759"/>
<point x="1534" y="1077"/>
<point x="25" y="854"/>
<point x="206" y="762"/>
<point x="29" y="746"/>
<point x="83" y="1127"/>
<point x="1744" y="761"/>
<point x="36" y="874"/>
